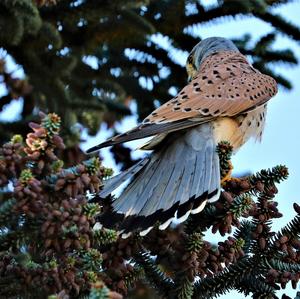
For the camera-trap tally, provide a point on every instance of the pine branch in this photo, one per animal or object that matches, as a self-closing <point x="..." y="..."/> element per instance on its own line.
<point x="277" y="3"/>
<point x="270" y="176"/>
<point x="278" y="22"/>
<point x="244" y="232"/>
<point x="221" y="283"/>
<point x="135" y="275"/>
<point x="154" y="275"/>
<point x="27" y="12"/>
<point x="100" y="291"/>
<point x="267" y="56"/>
<point x="139" y="22"/>
<point x="12" y="239"/>
<point x="292" y="229"/>
<point x="6" y="211"/>
<point x="185" y="288"/>
<point x="185" y="277"/>
<point x="224" y="151"/>
<point x="104" y="237"/>
<point x="92" y="165"/>
<point x="283" y="266"/>
<point x="265" y="42"/>
<point x="228" y="9"/>
<point x="256" y="286"/>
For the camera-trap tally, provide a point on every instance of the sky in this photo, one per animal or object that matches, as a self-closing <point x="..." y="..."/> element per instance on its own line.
<point x="281" y="142"/>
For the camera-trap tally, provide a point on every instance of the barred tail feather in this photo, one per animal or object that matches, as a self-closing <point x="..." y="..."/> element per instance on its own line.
<point x="176" y="180"/>
<point x="113" y="183"/>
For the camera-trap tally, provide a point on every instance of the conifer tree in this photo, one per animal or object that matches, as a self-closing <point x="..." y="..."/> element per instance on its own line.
<point x="86" y="60"/>
<point x="50" y="245"/>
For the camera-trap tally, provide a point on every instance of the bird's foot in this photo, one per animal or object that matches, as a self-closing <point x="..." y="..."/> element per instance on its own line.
<point x="235" y="181"/>
<point x="227" y="176"/>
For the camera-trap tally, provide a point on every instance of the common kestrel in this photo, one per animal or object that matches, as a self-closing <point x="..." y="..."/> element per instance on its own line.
<point x="225" y="99"/>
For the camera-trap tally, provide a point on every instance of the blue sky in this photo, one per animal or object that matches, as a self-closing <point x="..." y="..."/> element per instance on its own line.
<point x="281" y="142"/>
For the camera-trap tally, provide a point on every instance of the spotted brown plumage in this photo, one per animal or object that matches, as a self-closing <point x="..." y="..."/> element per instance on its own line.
<point x="226" y="85"/>
<point x="224" y="100"/>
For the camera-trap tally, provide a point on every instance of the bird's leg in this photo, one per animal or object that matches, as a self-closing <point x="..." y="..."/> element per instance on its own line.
<point x="226" y="173"/>
<point x="226" y="176"/>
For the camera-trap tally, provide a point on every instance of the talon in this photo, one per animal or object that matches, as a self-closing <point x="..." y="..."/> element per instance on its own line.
<point x="228" y="176"/>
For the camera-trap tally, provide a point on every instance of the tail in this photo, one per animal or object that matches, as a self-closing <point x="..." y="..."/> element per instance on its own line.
<point x="176" y="180"/>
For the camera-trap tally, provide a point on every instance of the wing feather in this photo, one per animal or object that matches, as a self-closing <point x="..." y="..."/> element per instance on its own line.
<point x="226" y="85"/>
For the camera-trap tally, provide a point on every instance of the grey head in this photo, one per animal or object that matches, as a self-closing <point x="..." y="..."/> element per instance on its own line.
<point x="204" y="49"/>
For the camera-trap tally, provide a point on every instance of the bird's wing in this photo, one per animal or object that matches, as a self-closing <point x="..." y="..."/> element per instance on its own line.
<point x="226" y="85"/>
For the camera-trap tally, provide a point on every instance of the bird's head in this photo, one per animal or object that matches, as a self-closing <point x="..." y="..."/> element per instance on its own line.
<point x="205" y="48"/>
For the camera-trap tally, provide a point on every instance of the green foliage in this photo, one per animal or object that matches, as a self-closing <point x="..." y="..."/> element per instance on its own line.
<point x="5" y="212"/>
<point x="224" y="150"/>
<point x="241" y="205"/>
<point x="47" y="242"/>
<point x="22" y="17"/>
<point x="88" y="60"/>
<point x="105" y="236"/>
<point x="194" y="242"/>
<point x="154" y="275"/>
<point x="99" y="292"/>
<point x="136" y="274"/>
<point x="186" y="289"/>
<point x="49" y="236"/>
<point x="270" y="176"/>
<point x="91" y="209"/>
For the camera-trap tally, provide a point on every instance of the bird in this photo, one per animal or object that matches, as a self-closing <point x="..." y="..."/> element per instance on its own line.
<point x="225" y="99"/>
